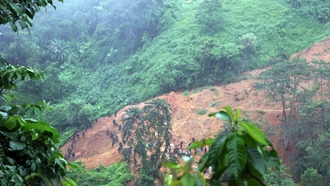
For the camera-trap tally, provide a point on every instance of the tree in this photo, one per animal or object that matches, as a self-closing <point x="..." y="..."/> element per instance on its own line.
<point x="145" y="132"/>
<point x="29" y="152"/>
<point x="21" y="12"/>
<point x="209" y="16"/>
<point x="29" y="148"/>
<point x="282" y="82"/>
<point x="238" y="156"/>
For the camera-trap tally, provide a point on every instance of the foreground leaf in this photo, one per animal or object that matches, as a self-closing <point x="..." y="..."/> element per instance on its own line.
<point x="236" y="155"/>
<point x="254" y="132"/>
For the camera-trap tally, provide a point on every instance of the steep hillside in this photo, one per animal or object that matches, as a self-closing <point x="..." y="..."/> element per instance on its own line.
<point x="189" y="120"/>
<point x="96" y="147"/>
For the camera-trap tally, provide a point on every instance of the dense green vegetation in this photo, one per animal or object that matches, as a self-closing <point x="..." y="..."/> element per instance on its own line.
<point x="305" y="119"/>
<point x="104" y="54"/>
<point x="117" y="174"/>
<point x="29" y="147"/>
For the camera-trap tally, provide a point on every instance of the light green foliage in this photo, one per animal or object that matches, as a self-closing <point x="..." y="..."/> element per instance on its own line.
<point x="118" y="174"/>
<point x="311" y="177"/>
<point x="209" y="16"/>
<point x="241" y="155"/>
<point x="249" y="42"/>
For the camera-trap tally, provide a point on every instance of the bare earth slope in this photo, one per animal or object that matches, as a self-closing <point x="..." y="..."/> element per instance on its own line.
<point x="96" y="148"/>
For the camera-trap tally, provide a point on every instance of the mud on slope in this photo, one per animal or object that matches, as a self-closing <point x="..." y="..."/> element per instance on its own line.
<point x="96" y="149"/>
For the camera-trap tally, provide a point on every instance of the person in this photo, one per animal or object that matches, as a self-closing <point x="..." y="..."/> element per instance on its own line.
<point x="83" y="133"/>
<point x="181" y="143"/>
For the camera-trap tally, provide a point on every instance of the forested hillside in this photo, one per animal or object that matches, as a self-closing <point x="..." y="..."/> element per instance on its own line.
<point x="101" y="55"/>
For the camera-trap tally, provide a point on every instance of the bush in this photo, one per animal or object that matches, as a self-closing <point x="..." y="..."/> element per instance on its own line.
<point x="117" y="174"/>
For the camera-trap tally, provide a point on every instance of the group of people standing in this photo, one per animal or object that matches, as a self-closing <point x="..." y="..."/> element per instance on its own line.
<point x="70" y="151"/>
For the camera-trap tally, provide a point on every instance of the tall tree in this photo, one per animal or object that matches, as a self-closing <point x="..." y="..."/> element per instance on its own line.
<point x="145" y="133"/>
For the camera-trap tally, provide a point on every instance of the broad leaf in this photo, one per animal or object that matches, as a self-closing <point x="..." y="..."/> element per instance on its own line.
<point x="41" y="126"/>
<point x="188" y="180"/>
<point x="256" y="164"/>
<point x="16" y="8"/>
<point x="254" y="132"/>
<point x="253" y="182"/>
<point x="222" y="115"/>
<point x="214" y="154"/>
<point x="229" y="110"/>
<point x="10" y="124"/>
<point x="237" y="115"/>
<point x="236" y="155"/>
<point x="16" y="145"/>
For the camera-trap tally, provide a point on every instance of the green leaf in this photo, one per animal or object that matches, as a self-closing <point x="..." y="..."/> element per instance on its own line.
<point x="236" y="155"/>
<point x="172" y="165"/>
<point x="188" y="180"/>
<point x="10" y="124"/>
<point x="61" y="162"/>
<point x="271" y="158"/>
<point x="229" y="110"/>
<point x="10" y="135"/>
<point x="253" y="182"/>
<point x="33" y="166"/>
<point x="16" y="8"/>
<point x="8" y="98"/>
<point x="42" y="126"/>
<point x="215" y="154"/>
<point x="237" y="115"/>
<point x="16" y="145"/>
<point x="256" y="164"/>
<point x="222" y="115"/>
<point x="68" y="182"/>
<point x="254" y="132"/>
<point x="202" y="143"/>
<point x="73" y="165"/>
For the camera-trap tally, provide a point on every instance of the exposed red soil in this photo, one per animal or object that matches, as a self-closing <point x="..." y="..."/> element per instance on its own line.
<point x="95" y="149"/>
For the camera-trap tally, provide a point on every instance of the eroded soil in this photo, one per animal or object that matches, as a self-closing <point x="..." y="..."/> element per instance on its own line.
<point x="96" y="148"/>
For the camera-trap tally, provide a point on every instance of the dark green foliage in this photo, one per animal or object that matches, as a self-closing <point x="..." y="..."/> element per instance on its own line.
<point x="279" y="177"/>
<point x="21" y="11"/>
<point x="117" y="174"/>
<point x="242" y="154"/>
<point x="318" y="9"/>
<point x="145" y="132"/>
<point x="29" y="152"/>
